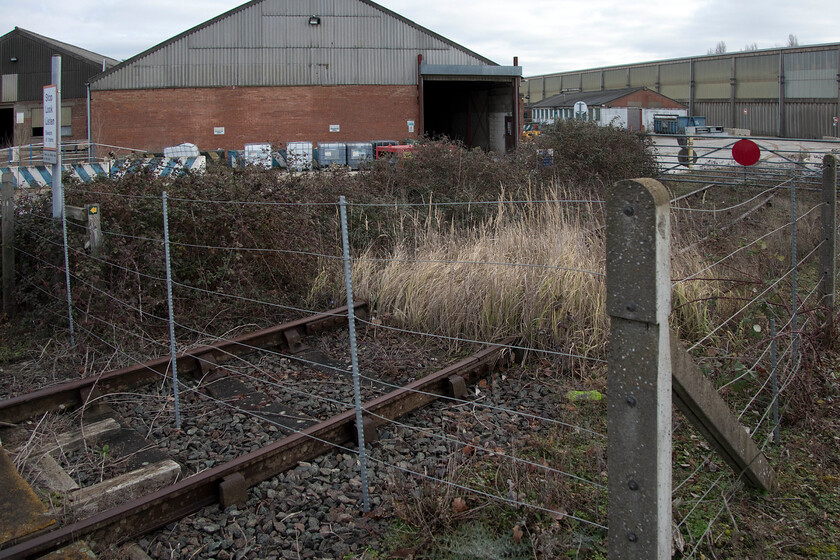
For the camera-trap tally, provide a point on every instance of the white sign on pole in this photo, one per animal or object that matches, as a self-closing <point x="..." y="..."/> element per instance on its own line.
<point x="581" y="110"/>
<point x="50" y="117"/>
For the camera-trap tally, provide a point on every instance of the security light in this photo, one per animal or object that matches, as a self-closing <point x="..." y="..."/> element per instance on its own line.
<point x="13" y="59"/>
<point x="314" y="20"/>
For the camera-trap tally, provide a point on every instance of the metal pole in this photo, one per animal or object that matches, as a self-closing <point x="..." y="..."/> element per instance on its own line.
<point x="828" y="253"/>
<point x="794" y="319"/>
<point x="57" y="190"/>
<point x="354" y="357"/>
<point x="774" y="379"/>
<point x="90" y="146"/>
<point x="67" y="265"/>
<point x="172" y="353"/>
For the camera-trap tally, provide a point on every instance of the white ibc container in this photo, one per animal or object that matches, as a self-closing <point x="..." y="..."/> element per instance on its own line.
<point x="299" y="156"/>
<point x="258" y="154"/>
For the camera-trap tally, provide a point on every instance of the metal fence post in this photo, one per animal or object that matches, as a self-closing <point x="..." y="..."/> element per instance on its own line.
<point x="66" y="264"/>
<point x="774" y="380"/>
<point x="172" y="353"/>
<point x="828" y="254"/>
<point x="794" y="279"/>
<point x="639" y="377"/>
<point x="354" y="357"/>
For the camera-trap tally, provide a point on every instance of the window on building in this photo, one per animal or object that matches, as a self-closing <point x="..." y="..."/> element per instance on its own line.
<point x="38" y="122"/>
<point x="67" y="121"/>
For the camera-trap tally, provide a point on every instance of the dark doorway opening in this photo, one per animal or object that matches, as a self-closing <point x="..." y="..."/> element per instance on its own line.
<point x="457" y="110"/>
<point x="471" y="110"/>
<point x="7" y="127"/>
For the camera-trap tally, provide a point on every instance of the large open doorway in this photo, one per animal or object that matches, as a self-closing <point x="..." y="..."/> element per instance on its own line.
<point x="476" y="105"/>
<point x="7" y="127"/>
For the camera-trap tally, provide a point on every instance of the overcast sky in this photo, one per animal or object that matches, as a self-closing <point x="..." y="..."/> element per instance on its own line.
<point x="547" y="35"/>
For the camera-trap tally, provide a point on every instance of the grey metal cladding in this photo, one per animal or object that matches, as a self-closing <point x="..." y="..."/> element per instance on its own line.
<point x="271" y="43"/>
<point x="28" y="55"/>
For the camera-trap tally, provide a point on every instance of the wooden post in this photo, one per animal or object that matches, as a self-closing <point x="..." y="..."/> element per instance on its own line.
<point x="828" y="252"/>
<point x="639" y="376"/>
<point x="89" y="214"/>
<point x="8" y="205"/>
<point x="94" y="229"/>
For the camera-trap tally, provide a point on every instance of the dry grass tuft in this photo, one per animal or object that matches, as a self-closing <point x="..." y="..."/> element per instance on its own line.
<point x="534" y="270"/>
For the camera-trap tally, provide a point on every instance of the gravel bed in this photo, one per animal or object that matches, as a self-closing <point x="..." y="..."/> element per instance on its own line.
<point x="314" y="510"/>
<point x="212" y="433"/>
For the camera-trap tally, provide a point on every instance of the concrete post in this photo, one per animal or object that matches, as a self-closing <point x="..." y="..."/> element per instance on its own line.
<point x="639" y="377"/>
<point x="828" y="253"/>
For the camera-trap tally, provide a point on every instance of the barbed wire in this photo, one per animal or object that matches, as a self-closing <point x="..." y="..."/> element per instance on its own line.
<point x="735" y="252"/>
<point x="346" y="372"/>
<point x="756" y="298"/>
<point x="729" y="208"/>
<point x="472" y="341"/>
<point x="474" y="203"/>
<point x="254" y="414"/>
<point x="477" y="447"/>
<point x="148" y="197"/>
<point x="487" y="263"/>
<point x="255" y="250"/>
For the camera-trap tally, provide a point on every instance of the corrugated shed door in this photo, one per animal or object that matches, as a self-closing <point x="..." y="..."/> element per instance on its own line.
<point x="634" y="118"/>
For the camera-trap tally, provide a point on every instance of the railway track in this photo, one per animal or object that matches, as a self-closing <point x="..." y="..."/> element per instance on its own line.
<point x="162" y="487"/>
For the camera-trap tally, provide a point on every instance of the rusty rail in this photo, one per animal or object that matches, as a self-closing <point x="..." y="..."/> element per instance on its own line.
<point x="156" y="510"/>
<point x="72" y="394"/>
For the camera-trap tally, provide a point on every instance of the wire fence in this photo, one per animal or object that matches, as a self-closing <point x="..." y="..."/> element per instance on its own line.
<point x="530" y="441"/>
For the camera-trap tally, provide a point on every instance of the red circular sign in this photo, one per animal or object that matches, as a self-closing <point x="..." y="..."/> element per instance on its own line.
<point x="746" y="152"/>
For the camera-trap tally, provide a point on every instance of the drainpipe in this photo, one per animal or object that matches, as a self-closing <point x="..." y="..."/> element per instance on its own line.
<point x="90" y="146"/>
<point x="420" y="125"/>
<point x="515" y="113"/>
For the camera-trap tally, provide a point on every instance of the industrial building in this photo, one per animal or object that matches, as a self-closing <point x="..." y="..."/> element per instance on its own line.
<point x="791" y="92"/>
<point x="278" y="72"/>
<point x="630" y="108"/>
<point x="25" y="66"/>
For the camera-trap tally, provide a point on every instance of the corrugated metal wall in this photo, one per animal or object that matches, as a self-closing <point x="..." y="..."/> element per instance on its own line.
<point x="717" y="114"/>
<point x="811" y="95"/>
<point x="271" y="43"/>
<point x="808" y="119"/>
<point x="34" y="69"/>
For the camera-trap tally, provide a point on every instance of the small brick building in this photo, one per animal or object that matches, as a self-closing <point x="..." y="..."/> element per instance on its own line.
<point x="278" y="71"/>
<point x="632" y="108"/>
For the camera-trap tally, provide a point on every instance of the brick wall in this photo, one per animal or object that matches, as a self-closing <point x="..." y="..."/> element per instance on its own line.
<point x="153" y="119"/>
<point x="23" y="131"/>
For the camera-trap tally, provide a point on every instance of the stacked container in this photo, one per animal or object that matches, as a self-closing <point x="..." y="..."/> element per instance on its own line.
<point x="332" y="153"/>
<point x="358" y="153"/>
<point x="258" y="154"/>
<point x="299" y="156"/>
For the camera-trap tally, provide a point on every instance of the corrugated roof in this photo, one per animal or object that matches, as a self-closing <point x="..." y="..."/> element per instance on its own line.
<point x="68" y="49"/>
<point x="591" y="98"/>
<point x="252" y="3"/>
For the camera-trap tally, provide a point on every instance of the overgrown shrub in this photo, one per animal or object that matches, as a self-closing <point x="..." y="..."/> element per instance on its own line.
<point x="591" y="157"/>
